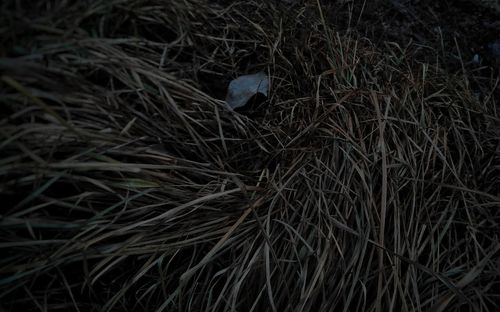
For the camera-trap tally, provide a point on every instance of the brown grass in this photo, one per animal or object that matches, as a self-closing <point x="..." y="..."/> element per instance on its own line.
<point x="368" y="181"/>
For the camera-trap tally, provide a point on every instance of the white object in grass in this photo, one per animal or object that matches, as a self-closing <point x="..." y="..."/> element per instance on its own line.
<point x="244" y="87"/>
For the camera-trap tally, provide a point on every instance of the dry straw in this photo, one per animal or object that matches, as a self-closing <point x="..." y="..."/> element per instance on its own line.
<point x="367" y="181"/>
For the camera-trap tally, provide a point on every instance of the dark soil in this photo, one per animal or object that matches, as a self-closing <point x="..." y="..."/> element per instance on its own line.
<point x="463" y="37"/>
<point x="457" y="29"/>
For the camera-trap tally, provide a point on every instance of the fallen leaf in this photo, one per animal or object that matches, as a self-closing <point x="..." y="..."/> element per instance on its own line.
<point x="244" y="87"/>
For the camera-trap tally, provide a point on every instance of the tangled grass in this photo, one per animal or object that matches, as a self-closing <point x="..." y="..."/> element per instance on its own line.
<point x="367" y="181"/>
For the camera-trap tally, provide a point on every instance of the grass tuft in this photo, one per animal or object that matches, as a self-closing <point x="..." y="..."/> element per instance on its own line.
<point x="367" y="181"/>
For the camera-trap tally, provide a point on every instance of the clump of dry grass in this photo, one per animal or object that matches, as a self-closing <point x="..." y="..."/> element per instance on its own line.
<point x="367" y="181"/>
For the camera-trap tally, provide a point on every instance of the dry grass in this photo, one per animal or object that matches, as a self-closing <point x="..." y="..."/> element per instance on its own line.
<point x="366" y="182"/>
